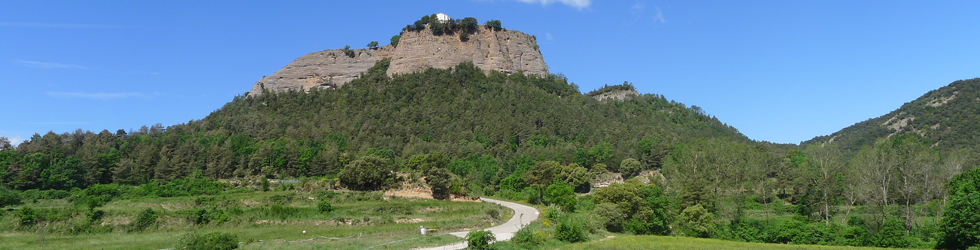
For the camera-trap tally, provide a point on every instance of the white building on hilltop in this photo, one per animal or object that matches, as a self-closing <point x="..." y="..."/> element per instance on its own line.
<point x="442" y="18"/>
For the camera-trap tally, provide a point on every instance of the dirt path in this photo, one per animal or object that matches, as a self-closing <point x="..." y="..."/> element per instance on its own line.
<point x="522" y="216"/>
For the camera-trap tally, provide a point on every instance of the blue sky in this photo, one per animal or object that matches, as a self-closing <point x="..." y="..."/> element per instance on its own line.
<point x="781" y="71"/>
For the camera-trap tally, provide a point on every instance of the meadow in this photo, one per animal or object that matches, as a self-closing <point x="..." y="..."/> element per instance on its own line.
<point x="259" y="220"/>
<point x="669" y="242"/>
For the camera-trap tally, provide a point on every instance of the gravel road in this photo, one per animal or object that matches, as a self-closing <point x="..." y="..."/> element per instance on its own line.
<point x="522" y="216"/>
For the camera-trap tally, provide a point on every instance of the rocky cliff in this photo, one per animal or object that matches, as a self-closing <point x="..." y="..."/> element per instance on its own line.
<point x="506" y="51"/>
<point x="323" y="69"/>
<point x="621" y="95"/>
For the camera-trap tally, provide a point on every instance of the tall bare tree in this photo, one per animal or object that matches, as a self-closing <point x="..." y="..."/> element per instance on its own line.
<point x="875" y="169"/>
<point x="825" y="170"/>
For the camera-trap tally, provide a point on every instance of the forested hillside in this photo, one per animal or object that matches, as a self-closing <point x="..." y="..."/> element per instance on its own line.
<point x="946" y="116"/>
<point x="477" y="120"/>
<point x="538" y="140"/>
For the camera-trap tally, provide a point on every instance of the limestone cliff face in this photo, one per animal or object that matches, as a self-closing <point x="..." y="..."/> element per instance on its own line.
<point x="506" y="51"/>
<point x="323" y="69"/>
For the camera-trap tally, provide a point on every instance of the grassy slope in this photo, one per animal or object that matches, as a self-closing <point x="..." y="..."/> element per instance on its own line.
<point x="668" y="242"/>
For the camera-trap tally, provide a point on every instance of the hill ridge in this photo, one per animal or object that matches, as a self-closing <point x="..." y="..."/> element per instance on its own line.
<point x="946" y="116"/>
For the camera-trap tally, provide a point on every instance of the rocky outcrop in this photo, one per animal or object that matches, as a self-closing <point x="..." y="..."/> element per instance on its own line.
<point x="621" y="95"/>
<point x="506" y="51"/>
<point x="323" y="69"/>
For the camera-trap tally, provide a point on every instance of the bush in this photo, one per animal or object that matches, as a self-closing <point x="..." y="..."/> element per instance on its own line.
<point x="200" y="217"/>
<point x="9" y="197"/>
<point x="394" y="40"/>
<point x="145" y="220"/>
<point x="440" y="180"/>
<point x="892" y="234"/>
<point x="961" y="225"/>
<point x="97" y="195"/>
<point x="324" y="207"/>
<point x="479" y="239"/>
<point x="211" y="241"/>
<point x="561" y="194"/>
<point x="610" y="217"/>
<point x="367" y="173"/>
<point x="283" y="212"/>
<point x="349" y="52"/>
<point x="27" y="216"/>
<point x="468" y="24"/>
<point x="527" y="238"/>
<point x="396" y="208"/>
<point x="697" y="221"/>
<point x="855" y="236"/>
<point x="630" y="167"/>
<point x="493" y="24"/>
<point x="570" y="231"/>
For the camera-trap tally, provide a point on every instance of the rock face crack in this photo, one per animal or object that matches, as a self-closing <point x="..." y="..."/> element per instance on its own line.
<point x="416" y="51"/>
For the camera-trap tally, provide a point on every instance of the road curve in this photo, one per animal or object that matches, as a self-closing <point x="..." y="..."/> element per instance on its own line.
<point x="522" y="216"/>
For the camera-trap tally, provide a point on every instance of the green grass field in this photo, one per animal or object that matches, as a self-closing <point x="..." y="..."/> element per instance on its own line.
<point x="359" y="221"/>
<point x="669" y="242"/>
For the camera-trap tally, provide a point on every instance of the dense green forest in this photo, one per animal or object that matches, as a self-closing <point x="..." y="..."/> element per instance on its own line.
<point x="461" y="113"/>
<point x="538" y="140"/>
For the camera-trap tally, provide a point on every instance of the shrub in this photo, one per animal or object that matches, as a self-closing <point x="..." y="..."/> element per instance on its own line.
<point x="697" y="221"/>
<point x="610" y="217"/>
<point x="324" y="207"/>
<point x="468" y="24"/>
<point x="144" y="220"/>
<point x="892" y="234"/>
<point x="349" y="52"/>
<point x="513" y="182"/>
<point x="855" y="236"/>
<point x="630" y="167"/>
<point x="211" y="241"/>
<point x="282" y="212"/>
<point x="200" y="217"/>
<point x="27" y="216"/>
<point x="570" y="230"/>
<point x="9" y="197"/>
<point x="527" y="238"/>
<point x="97" y="195"/>
<point x="961" y="225"/>
<point x="367" y="173"/>
<point x="95" y="215"/>
<point x="265" y="184"/>
<point x="395" y="208"/>
<point x="394" y="40"/>
<point x="561" y="194"/>
<point x="493" y="24"/>
<point x="479" y="239"/>
<point x="440" y="180"/>
<point x="282" y="199"/>
<point x="494" y="214"/>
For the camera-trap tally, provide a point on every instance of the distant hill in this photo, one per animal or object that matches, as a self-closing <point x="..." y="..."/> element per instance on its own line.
<point x="949" y="117"/>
